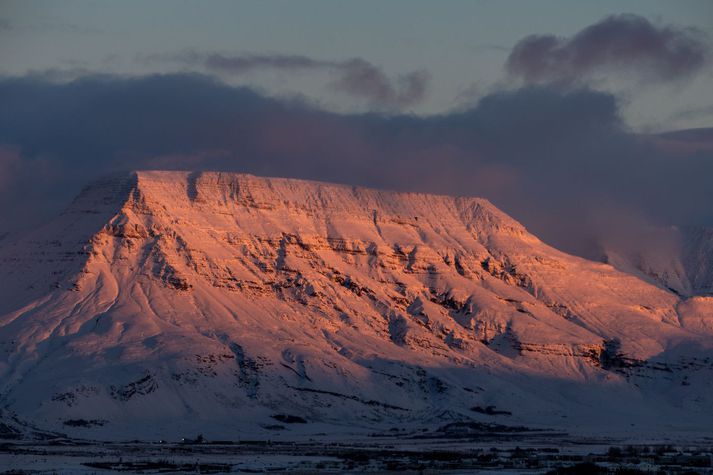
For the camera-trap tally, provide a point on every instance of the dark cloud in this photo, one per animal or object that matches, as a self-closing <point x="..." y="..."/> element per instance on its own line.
<point x="627" y="44"/>
<point x="240" y="64"/>
<point x="562" y="162"/>
<point x="689" y="141"/>
<point x="356" y="77"/>
<point x="362" y="79"/>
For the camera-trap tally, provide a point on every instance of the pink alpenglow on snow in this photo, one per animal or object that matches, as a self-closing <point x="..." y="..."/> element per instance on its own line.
<point x="163" y="303"/>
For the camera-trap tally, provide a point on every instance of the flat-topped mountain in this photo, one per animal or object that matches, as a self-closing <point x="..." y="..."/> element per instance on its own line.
<point x="161" y="304"/>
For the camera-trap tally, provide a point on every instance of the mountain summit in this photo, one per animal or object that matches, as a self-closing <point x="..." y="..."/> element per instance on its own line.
<point x="168" y="303"/>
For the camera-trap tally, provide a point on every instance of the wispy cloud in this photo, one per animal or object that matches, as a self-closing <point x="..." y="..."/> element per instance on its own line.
<point x="626" y="44"/>
<point x="355" y="77"/>
<point x="44" y="26"/>
<point x="695" y="112"/>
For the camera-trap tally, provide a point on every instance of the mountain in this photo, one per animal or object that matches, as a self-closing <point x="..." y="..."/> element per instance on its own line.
<point x="163" y="304"/>
<point x="679" y="259"/>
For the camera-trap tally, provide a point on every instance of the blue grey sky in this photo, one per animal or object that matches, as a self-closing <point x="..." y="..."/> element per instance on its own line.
<point x="461" y="46"/>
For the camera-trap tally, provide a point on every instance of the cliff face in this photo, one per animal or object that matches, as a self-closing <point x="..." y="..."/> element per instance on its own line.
<point x="171" y="301"/>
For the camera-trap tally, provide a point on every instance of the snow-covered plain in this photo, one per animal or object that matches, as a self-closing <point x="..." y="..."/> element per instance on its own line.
<point x="164" y="304"/>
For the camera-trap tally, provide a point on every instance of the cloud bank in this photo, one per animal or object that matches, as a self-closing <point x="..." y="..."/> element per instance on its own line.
<point x="627" y="43"/>
<point x="561" y="161"/>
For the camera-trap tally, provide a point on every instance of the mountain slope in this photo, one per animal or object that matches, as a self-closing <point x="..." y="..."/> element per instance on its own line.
<point x="170" y="303"/>
<point x="679" y="259"/>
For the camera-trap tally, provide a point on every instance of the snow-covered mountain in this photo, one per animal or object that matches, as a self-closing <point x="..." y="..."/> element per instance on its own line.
<point x="679" y="259"/>
<point x="697" y="255"/>
<point x="162" y="304"/>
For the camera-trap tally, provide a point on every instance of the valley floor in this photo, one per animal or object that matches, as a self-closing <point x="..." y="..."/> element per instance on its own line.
<point x="517" y="453"/>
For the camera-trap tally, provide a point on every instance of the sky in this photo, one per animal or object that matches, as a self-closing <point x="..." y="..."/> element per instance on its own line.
<point x="584" y="120"/>
<point x="462" y="46"/>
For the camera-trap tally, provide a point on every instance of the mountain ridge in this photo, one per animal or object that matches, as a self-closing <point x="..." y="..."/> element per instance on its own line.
<point x="195" y="299"/>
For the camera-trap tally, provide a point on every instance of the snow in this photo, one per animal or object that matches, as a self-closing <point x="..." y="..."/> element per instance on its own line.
<point x="679" y="259"/>
<point x="164" y="303"/>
